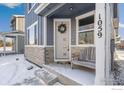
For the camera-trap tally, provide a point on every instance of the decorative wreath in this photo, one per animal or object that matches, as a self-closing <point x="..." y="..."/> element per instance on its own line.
<point x="62" y="28"/>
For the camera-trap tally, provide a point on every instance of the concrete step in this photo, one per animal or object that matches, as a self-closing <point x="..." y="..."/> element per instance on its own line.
<point x="57" y="83"/>
<point x="46" y="76"/>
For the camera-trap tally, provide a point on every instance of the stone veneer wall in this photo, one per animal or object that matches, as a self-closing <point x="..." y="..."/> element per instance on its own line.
<point x="35" y="54"/>
<point x="49" y="55"/>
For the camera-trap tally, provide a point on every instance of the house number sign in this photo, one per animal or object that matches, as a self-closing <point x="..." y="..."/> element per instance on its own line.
<point x="99" y="23"/>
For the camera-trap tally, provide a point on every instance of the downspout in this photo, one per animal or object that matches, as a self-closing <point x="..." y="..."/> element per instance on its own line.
<point x="105" y="44"/>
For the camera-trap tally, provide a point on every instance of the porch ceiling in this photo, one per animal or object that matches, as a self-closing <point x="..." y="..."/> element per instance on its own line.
<point x="72" y="9"/>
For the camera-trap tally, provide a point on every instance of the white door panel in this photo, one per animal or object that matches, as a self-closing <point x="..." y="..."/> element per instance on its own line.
<point x="62" y="50"/>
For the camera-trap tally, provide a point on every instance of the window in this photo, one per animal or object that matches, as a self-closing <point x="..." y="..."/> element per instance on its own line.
<point x="30" y="5"/>
<point x="86" y="37"/>
<point x="32" y="35"/>
<point x="85" y="30"/>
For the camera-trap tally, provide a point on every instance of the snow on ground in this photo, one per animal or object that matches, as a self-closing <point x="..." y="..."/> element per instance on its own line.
<point x="13" y="71"/>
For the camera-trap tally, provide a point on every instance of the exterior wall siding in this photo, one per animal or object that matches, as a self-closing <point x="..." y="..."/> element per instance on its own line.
<point x="40" y="30"/>
<point x="20" y="44"/>
<point x="34" y="53"/>
<point x="73" y="31"/>
<point x="50" y="31"/>
<point x="30" y="18"/>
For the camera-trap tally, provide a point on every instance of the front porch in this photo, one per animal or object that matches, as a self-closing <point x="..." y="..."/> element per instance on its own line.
<point x="79" y="34"/>
<point x="67" y="29"/>
<point x="58" y="46"/>
<point x="68" y="76"/>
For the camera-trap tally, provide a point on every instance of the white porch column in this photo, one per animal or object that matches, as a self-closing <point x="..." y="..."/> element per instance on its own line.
<point x="4" y="44"/>
<point x="102" y="39"/>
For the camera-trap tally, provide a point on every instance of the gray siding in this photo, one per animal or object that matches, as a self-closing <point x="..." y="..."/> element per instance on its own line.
<point x="20" y="44"/>
<point x="73" y="31"/>
<point x="50" y="31"/>
<point x="30" y="18"/>
<point x="40" y="30"/>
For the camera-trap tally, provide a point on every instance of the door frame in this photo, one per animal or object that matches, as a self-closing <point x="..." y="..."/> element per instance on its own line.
<point x="63" y="19"/>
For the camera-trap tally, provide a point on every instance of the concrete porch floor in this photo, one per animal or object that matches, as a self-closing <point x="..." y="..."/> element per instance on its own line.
<point x="80" y="75"/>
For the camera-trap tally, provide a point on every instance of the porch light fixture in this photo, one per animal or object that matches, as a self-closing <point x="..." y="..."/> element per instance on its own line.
<point x="71" y="8"/>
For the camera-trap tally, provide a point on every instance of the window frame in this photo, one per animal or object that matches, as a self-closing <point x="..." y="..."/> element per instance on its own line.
<point x="91" y="13"/>
<point x="32" y="28"/>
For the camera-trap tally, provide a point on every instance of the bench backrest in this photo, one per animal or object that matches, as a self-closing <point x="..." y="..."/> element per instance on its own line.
<point x="88" y="54"/>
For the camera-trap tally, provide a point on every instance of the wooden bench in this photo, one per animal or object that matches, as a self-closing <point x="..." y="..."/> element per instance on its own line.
<point x="86" y="58"/>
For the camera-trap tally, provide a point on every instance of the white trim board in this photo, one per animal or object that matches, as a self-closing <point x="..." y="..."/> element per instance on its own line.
<point x="84" y="45"/>
<point x="34" y="46"/>
<point x="85" y="15"/>
<point x="36" y="22"/>
<point x="55" y="9"/>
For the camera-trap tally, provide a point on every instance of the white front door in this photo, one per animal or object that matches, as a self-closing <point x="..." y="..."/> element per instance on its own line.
<point x="62" y="29"/>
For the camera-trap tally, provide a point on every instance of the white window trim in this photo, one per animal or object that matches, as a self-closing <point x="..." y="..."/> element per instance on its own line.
<point x="29" y="27"/>
<point x="31" y="8"/>
<point x="77" y="31"/>
<point x="87" y="30"/>
<point x="85" y="45"/>
<point x="35" y="23"/>
<point x="35" y="46"/>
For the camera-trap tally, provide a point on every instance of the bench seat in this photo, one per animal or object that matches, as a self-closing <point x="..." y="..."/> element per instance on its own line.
<point x="86" y="58"/>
